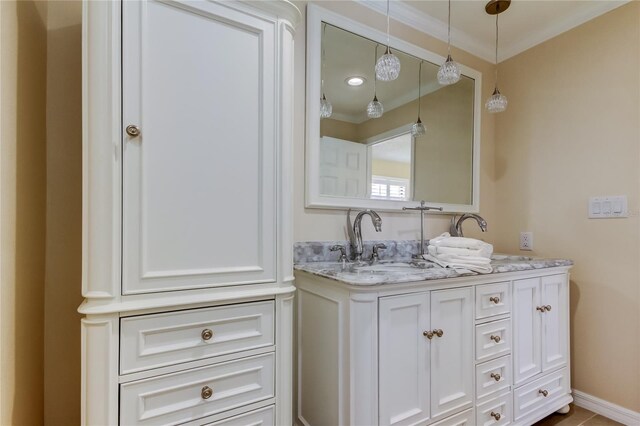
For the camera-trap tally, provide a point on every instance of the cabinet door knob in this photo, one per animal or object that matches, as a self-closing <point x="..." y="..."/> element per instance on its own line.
<point x="206" y="334"/>
<point x="495" y="338"/>
<point x="428" y="334"/>
<point x="496" y="416"/>
<point x="495" y="299"/>
<point x="133" y="130"/>
<point x="547" y="308"/>
<point x="438" y="332"/>
<point x="544" y="392"/>
<point x="496" y="376"/>
<point x="206" y="392"/>
<point x="540" y="308"/>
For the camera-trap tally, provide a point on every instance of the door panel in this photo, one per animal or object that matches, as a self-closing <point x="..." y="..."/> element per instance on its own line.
<point x="554" y="322"/>
<point x="343" y="168"/>
<point x="404" y="359"/>
<point x="452" y="354"/>
<point x="527" y="351"/>
<point x="198" y="80"/>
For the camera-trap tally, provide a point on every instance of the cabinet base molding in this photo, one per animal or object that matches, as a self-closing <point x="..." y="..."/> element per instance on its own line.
<point x="606" y="408"/>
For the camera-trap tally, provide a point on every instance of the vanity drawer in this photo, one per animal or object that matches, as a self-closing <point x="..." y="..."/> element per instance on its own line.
<point x="262" y="417"/>
<point x="532" y="396"/>
<point x="466" y="418"/>
<point x="493" y="339"/>
<point x="151" y="341"/>
<point x="196" y="393"/>
<point x="493" y="299"/>
<point x="493" y="377"/>
<point x="497" y="412"/>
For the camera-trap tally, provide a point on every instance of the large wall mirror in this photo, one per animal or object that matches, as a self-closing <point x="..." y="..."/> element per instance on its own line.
<point x="353" y="160"/>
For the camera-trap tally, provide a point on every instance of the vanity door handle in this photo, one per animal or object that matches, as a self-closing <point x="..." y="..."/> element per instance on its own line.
<point x="496" y="416"/>
<point x="206" y="392"/>
<point x="544" y="392"/>
<point x="495" y="299"/>
<point x="496" y="376"/>
<point x="547" y="308"/>
<point x="541" y="308"/>
<point x="428" y="334"/>
<point x="133" y="130"/>
<point x="438" y="332"/>
<point x="495" y="338"/>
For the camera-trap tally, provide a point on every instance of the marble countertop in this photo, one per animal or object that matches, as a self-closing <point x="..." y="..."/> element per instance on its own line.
<point x="398" y="271"/>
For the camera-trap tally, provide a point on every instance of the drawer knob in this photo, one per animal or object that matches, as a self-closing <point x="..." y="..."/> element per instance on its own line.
<point x="133" y="130"/>
<point x="544" y="392"/>
<point x="540" y="308"/>
<point x="206" y="392"/>
<point x="495" y="338"/>
<point x="495" y="299"/>
<point x="547" y="308"/>
<point x="428" y="334"/>
<point x="496" y="416"/>
<point x="496" y="376"/>
<point x="438" y="332"/>
<point x="206" y="334"/>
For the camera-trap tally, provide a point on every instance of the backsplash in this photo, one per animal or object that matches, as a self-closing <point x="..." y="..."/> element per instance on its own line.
<point x="318" y="251"/>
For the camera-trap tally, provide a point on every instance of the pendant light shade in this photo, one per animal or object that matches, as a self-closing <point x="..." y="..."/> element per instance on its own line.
<point x="388" y="66"/>
<point x="326" y="109"/>
<point x="375" y="109"/>
<point x="449" y="72"/>
<point x="418" y="129"/>
<point x="497" y="102"/>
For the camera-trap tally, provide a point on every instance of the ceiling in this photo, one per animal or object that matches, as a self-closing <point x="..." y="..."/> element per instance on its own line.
<point x="525" y="24"/>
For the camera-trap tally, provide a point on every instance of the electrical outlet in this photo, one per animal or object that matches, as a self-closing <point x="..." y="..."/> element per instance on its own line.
<point x="526" y="241"/>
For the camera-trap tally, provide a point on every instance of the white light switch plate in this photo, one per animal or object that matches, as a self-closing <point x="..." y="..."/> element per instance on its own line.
<point x="608" y="207"/>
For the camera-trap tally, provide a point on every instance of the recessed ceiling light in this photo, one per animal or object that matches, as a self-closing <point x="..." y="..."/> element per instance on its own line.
<point x="355" y="81"/>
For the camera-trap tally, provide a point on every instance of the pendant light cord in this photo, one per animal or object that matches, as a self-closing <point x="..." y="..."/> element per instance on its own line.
<point x="419" y="87"/>
<point x="449" y="30"/>
<point x="375" y="75"/>
<point x="324" y="32"/>
<point x="496" y="76"/>
<point x="388" y="43"/>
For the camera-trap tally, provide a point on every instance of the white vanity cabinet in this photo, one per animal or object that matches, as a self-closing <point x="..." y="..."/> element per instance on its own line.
<point x="437" y="352"/>
<point x="187" y="212"/>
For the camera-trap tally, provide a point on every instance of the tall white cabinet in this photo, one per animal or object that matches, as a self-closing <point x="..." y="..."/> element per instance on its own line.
<point x="187" y="212"/>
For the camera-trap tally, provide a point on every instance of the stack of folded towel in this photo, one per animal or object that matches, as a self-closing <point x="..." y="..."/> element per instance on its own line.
<point x="462" y="254"/>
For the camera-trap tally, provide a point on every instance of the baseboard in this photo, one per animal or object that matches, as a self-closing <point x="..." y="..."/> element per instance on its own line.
<point x="606" y="408"/>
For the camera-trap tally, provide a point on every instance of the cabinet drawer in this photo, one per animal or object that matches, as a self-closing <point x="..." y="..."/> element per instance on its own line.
<point x="466" y="418"/>
<point x="262" y="417"/>
<point x="493" y="339"/>
<point x="493" y="299"/>
<point x="152" y="341"/>
<point x="181" y="397"/>
<point x="532" y="396"/>
<point x="493" y="376"/>
<point x="497" y="412"/>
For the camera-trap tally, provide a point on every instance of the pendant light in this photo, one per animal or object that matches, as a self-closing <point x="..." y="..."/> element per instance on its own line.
<point x="388" y="66"/>
<point x="375" y="109"/>
<point x="326" y="109"/>
<point x="497" y="102"/>
<point x="449" y="72"/>
<point x="418" y="128"/>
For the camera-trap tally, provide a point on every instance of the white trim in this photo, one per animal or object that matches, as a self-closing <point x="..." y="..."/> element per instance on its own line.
<point x="606" y="408"/>
<point x="423" y="22"/>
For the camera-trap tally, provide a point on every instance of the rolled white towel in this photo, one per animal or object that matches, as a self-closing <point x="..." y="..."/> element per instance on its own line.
<point x="446" y="240"/>
<point x="485" y="251"/>
<point x="462" y="264"/>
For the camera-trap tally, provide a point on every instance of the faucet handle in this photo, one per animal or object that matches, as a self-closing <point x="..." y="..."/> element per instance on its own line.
<point x="377" y="247"/>
<point x="342" y="249"/>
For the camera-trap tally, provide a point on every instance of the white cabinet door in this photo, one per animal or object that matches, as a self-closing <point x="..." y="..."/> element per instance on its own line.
<point x="199" y="202"/>
<point x="343" y="168"/>
<point x="554" y="322"/>
<point x="403" y="359"/>
<point x="452" y="353"/>
<point x="527" y="349"/>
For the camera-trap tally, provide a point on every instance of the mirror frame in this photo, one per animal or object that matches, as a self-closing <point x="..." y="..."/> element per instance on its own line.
<point x="316" y="15"/>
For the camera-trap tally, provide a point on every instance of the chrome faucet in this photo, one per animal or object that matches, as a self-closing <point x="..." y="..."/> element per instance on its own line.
<point x="455" y="229"/>
<point x="355" y="231"/>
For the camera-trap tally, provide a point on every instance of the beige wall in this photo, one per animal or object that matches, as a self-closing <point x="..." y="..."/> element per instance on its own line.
<point x="572" y="131"/>
<point x="64" y="215"/>
<point x="22" y="213"/>
<point x="391" y="169"/>
<point x="318" y="224"/>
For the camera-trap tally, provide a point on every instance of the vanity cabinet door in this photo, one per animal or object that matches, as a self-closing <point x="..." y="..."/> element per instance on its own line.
<point x="452" y="357"/>
<point x="403" y="359"/>
<point x="199" y="180"/>
<point x="527" y="320"/>
<point x="555" y="322"/>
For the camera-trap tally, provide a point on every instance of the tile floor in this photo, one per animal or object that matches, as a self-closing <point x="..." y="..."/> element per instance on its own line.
<point x="577" y="417"/>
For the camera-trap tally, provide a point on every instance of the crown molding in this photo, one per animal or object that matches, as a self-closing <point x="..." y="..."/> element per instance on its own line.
<point x="423" y="22"/>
